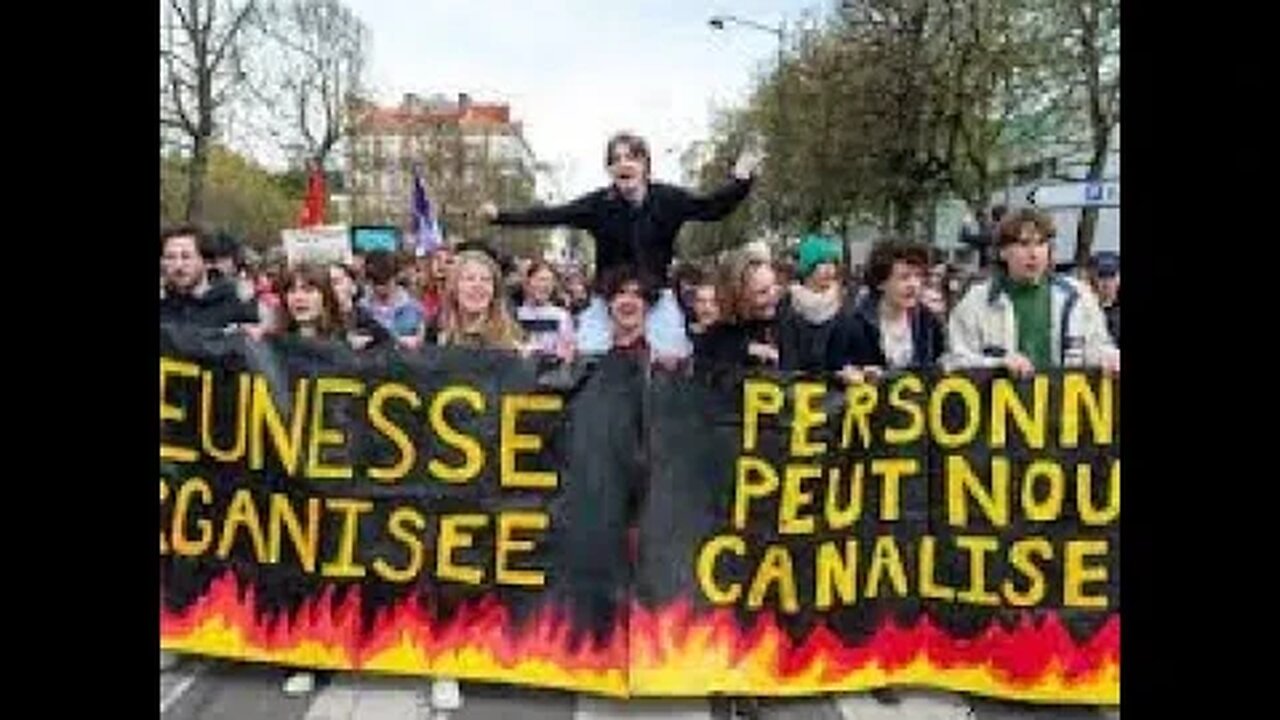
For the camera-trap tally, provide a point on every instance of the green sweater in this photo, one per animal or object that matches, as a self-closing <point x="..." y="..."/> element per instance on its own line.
<point x="1032" y="308"/>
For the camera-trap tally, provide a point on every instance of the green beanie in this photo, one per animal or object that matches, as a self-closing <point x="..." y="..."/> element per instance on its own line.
<point x="815" y="250"/>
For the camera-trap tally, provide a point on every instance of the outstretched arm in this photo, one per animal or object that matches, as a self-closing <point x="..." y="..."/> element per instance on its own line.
<point x="577" y="213"/>
<point x="720" y="203"/>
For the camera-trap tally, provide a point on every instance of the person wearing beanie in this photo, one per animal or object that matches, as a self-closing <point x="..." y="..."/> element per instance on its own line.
<point x="815" y="250"/>
<point x="813" y="307"/>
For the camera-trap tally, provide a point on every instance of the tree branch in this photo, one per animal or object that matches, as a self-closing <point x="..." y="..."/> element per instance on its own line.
<point x="305" y="129"/>
<point x="175" y="123"/>
<point x="230" y="35"/>
<point x="270" y="31"/>
<point x="184" y="21"/>
<point x="171" y="57"/>
<point x="175" y="92"/>
<point x="206" y="30"/>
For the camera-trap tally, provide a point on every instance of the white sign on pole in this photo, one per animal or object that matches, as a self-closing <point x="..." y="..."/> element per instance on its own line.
<point x="1104" y="193"/>
<point x="321" y="244"/>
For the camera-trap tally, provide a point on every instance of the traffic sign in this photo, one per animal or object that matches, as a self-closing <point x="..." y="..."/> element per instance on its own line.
<point x="1101" y="193"/>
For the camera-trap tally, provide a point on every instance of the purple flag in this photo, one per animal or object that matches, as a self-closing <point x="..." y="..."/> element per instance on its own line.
<point x="425" y="227"/>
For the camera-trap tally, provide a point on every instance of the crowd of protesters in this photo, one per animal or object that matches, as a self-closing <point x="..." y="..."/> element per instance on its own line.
<point x="802" y="310"/>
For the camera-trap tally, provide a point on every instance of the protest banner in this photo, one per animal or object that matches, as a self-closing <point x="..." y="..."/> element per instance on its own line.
<point x="954" y="531"/>
<point x="427" y="514"/>
<point x="320" y="244"/>
<point x="450" y="513"/>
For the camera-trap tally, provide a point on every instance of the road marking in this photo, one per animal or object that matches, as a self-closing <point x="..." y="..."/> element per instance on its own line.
<point x="177" y="691"/>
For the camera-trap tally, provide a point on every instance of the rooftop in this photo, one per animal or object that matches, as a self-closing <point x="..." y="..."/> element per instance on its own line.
<point x="414" y="111"/>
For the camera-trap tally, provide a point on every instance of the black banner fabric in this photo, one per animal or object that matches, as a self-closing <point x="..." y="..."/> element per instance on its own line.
<point x="473" y="515"/>
<point x="959" y="531"/>
<point x="437" y="513"/>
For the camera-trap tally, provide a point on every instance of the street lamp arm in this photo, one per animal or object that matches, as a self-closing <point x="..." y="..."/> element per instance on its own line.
<point x="718" y="22"/>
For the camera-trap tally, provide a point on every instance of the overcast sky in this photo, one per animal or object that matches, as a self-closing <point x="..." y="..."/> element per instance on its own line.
<point x="575" y="71"/>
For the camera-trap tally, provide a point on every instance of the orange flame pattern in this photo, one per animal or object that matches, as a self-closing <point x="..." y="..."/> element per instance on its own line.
<point x="668" y="651"/>
<point x="675" y="652"/>
<point x="480" y="642"/>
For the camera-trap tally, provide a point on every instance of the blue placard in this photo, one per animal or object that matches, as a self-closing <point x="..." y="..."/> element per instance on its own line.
<point x="370" y="238"/>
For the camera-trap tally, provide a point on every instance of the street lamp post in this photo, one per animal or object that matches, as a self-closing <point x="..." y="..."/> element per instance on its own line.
<point x="718" y="22"/>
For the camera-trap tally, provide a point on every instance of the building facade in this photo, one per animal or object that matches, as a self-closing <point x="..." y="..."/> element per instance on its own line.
<point x="468" y="153"/>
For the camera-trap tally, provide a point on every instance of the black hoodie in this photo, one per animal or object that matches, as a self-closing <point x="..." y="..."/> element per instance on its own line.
<point x="217" y="308"/>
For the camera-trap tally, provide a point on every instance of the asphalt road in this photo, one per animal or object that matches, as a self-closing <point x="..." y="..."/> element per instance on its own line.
<point x="202" y="689"/>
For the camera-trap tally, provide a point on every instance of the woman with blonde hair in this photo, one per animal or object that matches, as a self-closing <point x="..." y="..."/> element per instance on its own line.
<point x="473" y="311"/>
<point x="747" y="332"/>
<point x="473" y="314"/>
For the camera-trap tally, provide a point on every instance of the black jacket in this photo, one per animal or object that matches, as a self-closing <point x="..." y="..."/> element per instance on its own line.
<point x="857" y="340"/>
<point x="804" y="346"/>
<point x="725" y="344"/>
<point x="698" y="339"/>
<point x="625" y="234"/>
<point x="218" y="307"/>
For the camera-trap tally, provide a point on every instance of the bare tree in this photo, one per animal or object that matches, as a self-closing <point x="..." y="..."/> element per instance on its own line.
<point x="310" y="66"/>
<point x="200" y="56"/>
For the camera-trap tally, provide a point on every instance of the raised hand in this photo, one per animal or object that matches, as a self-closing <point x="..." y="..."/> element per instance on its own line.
<point x="747" y="163"/>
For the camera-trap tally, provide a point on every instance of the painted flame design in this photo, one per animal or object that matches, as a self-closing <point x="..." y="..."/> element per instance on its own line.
<point x="677" y="652"/>
<point x="668" y="651"/>
<point x="480" y="642"/>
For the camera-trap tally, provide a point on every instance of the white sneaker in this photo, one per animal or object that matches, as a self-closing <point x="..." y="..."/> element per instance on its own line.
<point x="445" y="694"/>
<point x="299" y="684"/>
<point x="167" y="660"/>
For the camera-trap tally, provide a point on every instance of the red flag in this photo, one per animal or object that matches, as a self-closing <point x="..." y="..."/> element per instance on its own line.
<point x="313" y="206"/>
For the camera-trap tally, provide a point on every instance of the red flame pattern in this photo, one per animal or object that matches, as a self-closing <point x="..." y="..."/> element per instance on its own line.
<point x="648" y="639"/>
